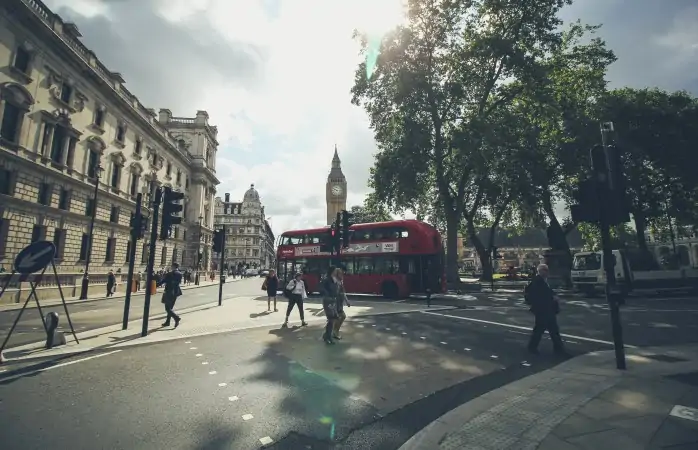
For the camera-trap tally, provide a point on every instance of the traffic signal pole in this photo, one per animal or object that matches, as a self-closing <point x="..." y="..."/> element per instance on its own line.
<point x="220" y="276"/>
<point x="135" y="231"/>
<point x="151" y="260"/>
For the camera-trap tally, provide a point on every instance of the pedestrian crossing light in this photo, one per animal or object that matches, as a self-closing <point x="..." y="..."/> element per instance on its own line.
<point x="170" y="212"/>
<point x="218" y="241"/>
<point x="495" y="253"/>
<point x="346" y="223"/>
<point x="327" y="240"/>
<point x="139" y="226"/>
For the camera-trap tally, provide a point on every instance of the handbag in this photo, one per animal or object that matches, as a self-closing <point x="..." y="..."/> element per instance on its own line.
<point x="264" y="285"/>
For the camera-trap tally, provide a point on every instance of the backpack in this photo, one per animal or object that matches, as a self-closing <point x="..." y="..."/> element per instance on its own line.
<point x="528" y="294"/>
<point x="287" y="291"/>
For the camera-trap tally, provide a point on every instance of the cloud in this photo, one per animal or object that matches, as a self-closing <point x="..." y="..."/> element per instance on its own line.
<point x="275" y="76"/>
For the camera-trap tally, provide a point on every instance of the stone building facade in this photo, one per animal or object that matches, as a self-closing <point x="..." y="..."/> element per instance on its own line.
<point x="68" y="122"/>
<point x="249" y="239"/>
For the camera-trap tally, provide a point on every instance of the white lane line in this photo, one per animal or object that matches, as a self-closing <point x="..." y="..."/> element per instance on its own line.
<point x="205" y="363"/>
<point x="34" y="372"/>
<point x="266" y="440"/>
<point x="517" y="327"/>
<point x="422" y="338"/>
<point x="187" y="342"/>
<point x="199" y="355"/>
<point x="443" y="343"/>
<point x="466" y="349"/>
<point x="234" y="398"/>
<point x="247" y="417"/>
<point x="213" y="372"/>
<point x="494" y="356"/>
<point x="222" y="384"/>
<point x="192" y="348"/>
<point x="404" y="334"/>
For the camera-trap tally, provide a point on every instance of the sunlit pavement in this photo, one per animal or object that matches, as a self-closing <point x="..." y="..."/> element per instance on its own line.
<point x="282" y="388"/>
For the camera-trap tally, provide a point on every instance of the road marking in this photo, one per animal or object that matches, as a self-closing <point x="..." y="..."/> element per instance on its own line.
<point x="198" y="355"/>
<point x="187" y="342"/>
<point x="247" y="417"/>
<point x="222" y="384"/>
<point x="205" y="363"/>
<point x="387" y="329"/>
<point x="422" y="338"/>
<point x="45" y="369"/>
<point x="466" y="349"/>
<point x="684" y="412"/>
<point x="404" y="334"/>
<point x="234" y="398"/>
<point x="443" y="343"/>
<point x="192" y="348"/>
<point x="213" y="372"/>
<point x="494" y="356"/>
<point x="517" y="327"/>
<point x="266" y="440"/>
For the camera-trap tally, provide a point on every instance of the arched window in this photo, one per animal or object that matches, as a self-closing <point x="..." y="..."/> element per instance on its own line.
<point x="136" y="170"/>
<point x="15" y="102"/>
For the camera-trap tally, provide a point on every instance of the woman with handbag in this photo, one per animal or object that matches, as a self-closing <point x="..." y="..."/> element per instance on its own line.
<point x="341" y="301"/>
<point x="271" y="285"/>
<point x="330" y="295"/>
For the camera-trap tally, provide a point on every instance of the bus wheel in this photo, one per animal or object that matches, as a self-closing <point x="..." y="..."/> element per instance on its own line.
<point x="390" y="290"/>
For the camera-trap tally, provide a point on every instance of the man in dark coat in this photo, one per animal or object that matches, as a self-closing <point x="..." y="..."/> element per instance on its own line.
<point x="541" y="299"/>
<point x="172" y="281"/>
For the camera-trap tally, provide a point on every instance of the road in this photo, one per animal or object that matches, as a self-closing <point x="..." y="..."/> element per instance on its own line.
<point x="390" y="376"/>
<point x="99" y="313"/>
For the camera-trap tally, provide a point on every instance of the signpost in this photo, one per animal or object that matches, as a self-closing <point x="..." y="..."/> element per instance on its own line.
<point x="34" y="258"/>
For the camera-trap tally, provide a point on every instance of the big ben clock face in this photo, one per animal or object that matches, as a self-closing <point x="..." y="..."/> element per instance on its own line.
<point x="336" y="190"/>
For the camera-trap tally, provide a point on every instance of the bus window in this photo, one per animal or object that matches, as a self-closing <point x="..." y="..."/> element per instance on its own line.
<point x="364" y="266"/>
<point x="362" y="235"/>
<point x="386" y="265"/>
<point x="317" y="266"/>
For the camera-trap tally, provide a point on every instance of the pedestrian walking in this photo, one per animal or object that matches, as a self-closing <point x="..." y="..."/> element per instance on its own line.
<point x="172" y="281"/>
<point x="330" y="295"/>
<point x="541" y="299"/>
<point x="111" y="283"/>
<point x="271" y="285"/>
<point x="341" y="301"/>
<point x="295" y="291"/>
<point x="138" y="279"/>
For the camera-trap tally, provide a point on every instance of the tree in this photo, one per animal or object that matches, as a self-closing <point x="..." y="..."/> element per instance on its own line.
<point x="436" y="82"/>
<point x="370" y="211"/>
<point x="657" y="132"/>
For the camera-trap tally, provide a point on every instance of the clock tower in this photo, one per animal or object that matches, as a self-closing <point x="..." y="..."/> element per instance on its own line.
<point x="336" y="189"/>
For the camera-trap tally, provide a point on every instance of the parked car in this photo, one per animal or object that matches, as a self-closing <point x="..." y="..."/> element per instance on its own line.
<point x="263" y="273"/>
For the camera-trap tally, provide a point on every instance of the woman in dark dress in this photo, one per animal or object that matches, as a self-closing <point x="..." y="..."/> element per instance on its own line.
<point x="271" y="284"/>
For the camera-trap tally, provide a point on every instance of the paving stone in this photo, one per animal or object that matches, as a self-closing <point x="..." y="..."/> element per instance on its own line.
<point x="641" y="428"/>
<point x="607" y="439"/>
<point x="638" y="399"/>
<point x="674" y="431"/>
<point x="605" y="410"/>
<point x="578" y="424"/>
<point x="553" y="442"/>
<point x="485" y="438"/>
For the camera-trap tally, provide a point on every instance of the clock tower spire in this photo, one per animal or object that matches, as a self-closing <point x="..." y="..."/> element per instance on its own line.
<point x="335" y="189"/>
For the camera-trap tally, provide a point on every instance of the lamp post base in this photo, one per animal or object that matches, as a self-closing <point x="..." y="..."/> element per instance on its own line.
<point x="84" y="287"/>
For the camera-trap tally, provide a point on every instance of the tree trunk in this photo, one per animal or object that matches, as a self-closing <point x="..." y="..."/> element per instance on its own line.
<point x="451" y="246"/>
<point x="557" y="239"/>
<point x="482" y="252"/>
<point x="640" y="229"/>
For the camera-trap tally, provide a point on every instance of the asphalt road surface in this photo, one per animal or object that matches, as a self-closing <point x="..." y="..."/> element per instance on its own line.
<point x="93" y="314"/>
<point x="389" y="377"/>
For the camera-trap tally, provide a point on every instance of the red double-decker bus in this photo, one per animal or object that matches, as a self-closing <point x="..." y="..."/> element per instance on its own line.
<point x="395" y="259"/>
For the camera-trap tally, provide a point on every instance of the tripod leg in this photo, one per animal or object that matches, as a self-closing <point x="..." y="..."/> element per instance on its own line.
<point x="12" y="328"/>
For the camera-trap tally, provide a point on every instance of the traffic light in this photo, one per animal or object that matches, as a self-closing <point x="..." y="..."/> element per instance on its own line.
<point x="218" y="241"/>
<point x="139" y="226"/>
<point x="327" y="240"/>
<point x="346" y="223"/>
<point x="495" y="253"/>
<point x="170" y="210"/>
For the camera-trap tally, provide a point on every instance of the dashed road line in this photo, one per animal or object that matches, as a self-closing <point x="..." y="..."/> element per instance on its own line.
<point x="247" y="417"/>
<point x="233" y="398"/>
<point x="266" y="440"/>
<point x="213" y="372"/>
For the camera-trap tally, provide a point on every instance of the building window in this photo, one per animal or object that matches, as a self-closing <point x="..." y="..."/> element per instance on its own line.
<point x="121" y="133"/>
<point x="90" y="207"/>
<point x="64" y="199"/>
<point x="128" y="250"/>
<point x="111" y="246"/>
<point x="186" y="183"/>
<point x="4" y="232"/>
<point x="38" y="233"/>
<point x="22" y="60"/>
<point x="45" y="194"/>
<point x="100" y="113"/>
<point x="84" y="244"/>
<point x="57" y="144"/>
<point x="6" y="181"/>
<point x="92" y="163"/>
<point x="66" y="93"/>
<point x="179" y="177"/>
<point x="135" y="181"/>
<point x="137" y="147"/>
<point x="59" y="237"/>
<point x="163" y="257"/>
<point x="16" y="103"/>
<point x="184" y="234"/>
<point x="174" y="255"/>
<point x="144" y="254"/>
<point x="115" y="175"/>
<point x="114" y="215"/>
<point x="168" y="171"/>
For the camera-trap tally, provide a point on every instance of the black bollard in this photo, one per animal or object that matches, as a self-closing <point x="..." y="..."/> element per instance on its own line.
<point x="51" y="326"/>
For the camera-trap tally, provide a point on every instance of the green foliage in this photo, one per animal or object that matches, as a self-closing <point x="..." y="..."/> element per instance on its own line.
<point x="622" y="236"/>
<point x="371" y="211"/>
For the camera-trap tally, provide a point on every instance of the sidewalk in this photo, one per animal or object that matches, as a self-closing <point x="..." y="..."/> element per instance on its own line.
<point x="583" y="403"/>
<point x="97" y="297"/>
<point x="235" y="314"/>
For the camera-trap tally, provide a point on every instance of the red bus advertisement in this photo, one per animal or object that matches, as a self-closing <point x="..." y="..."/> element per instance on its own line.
<point x="393" y="259"/>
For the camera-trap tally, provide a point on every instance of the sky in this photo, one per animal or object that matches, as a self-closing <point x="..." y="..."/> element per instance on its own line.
<point x="275" y="77"/>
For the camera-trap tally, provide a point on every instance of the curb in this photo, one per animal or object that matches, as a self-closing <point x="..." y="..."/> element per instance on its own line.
<point x="51" y="303"/>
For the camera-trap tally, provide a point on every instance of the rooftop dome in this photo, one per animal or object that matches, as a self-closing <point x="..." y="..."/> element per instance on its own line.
<point x="251" y="195"/>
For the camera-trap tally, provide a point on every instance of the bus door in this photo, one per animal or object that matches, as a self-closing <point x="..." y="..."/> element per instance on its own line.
<point x="430" y="273"/>
<point x="411" y="267"/>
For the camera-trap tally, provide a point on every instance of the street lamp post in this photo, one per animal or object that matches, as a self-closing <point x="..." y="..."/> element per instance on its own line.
<point x="198" y="252"/>
<point x="84" y="288"/>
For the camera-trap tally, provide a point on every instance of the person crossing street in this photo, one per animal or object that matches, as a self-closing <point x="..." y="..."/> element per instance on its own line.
<point x="172" y="281"/>
<point x="296" y="293"/>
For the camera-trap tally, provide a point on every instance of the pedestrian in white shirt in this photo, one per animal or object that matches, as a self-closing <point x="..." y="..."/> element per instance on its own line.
<point x="295" y="291"/>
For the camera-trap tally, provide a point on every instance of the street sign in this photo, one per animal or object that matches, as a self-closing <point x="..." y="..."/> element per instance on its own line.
<point x="35" y="257"/>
